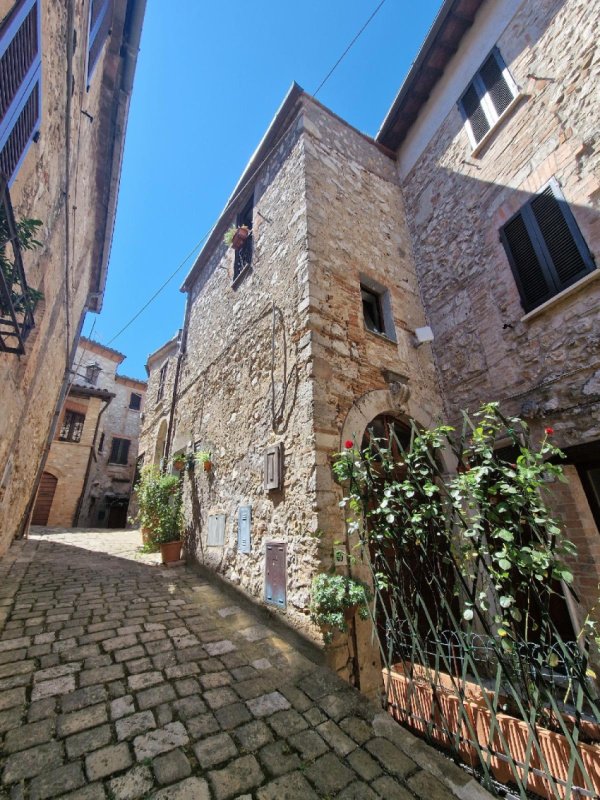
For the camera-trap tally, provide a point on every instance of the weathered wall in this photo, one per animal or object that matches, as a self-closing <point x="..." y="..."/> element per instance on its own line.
<point x="114" y="480"/>
<point x="244" y="347"/>
<point x="68" y="462"/>
<point x="545" y="364"/>
<point x="72" y="160"/>
<point x="357" y="231"/>
<point x="155" y="417"/>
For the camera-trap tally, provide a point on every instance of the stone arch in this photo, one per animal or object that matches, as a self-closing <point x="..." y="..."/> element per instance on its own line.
<point x="161" y="441"/>
<point x="396" y="401"/>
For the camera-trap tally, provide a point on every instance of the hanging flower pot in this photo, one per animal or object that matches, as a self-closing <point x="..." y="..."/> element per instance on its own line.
<point x="236" y="236"/>
<point x="179" y="463"/>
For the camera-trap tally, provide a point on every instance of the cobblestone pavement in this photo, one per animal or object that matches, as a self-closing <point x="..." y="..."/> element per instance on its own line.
<point x="122" y="679"/>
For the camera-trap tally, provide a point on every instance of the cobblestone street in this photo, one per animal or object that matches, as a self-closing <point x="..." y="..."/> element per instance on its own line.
<point x="122" y="679"/>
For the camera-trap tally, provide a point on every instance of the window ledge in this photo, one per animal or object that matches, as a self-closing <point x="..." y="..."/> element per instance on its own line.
<point x="494" y="129"/>
<point x="381" y="336"/>
<point x="558" y="298"/>
<point x="239" y="278"/>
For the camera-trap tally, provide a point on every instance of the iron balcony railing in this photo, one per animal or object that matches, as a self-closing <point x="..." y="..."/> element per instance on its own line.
<point x="16" y="304"/>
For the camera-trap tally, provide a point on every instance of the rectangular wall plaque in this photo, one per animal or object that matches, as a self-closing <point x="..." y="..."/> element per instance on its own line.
<point x="216" y="530"/>
<point x="273" y="467"/>
<point x="244" y="529"/>
<point x="276" y="574"/>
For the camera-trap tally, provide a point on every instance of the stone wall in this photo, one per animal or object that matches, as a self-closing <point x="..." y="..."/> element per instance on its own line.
<point x="544" y="364"/>
<point x="108" y="483"/>
<point x="357" y="234"/>
<point x="75" y="157"/>
<point x="68" y="461"/>
<point x="246" y="385"/>
<point x="155" y="417"/>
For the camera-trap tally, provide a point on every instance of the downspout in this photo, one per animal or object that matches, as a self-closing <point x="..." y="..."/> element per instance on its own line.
<point x="180" y="355"/>
<point x="91" y="457"/>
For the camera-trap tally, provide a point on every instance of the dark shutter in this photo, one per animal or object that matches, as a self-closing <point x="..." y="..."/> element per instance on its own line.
<point x="135" y="401"/>
<point x="495" y="84"/>
<point x="119" y="452"/>
<point x="244" y="533"/>
<point x="101" y="13"/>
<point x="20" y="68"/>
<point x="275" y="574"/>
<point x="473" y="111"/>
<point x="568" y="260"/>
<point x="528" y="270"/>
<point x="545" y="247"/>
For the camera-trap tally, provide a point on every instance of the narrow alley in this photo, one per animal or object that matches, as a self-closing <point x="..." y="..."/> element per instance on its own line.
<point x="122" y="679"/>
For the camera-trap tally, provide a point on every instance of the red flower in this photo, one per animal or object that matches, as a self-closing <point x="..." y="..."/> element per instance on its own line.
<point x="348" y="444"/>
<point x="549" y="431"/>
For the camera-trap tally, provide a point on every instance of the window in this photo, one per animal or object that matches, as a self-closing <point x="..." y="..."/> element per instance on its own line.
<point x="91" y="373"/>
<point x="162" y="377"/>
<point x="135" y="401"/>
<point x="372" y="310"/>
<point x="72" y="427"/>
<point x="243" y="256"/>
<point x="377" y="308"/>
<point x="119" y="451"/>
<point x="487" y="97"/>
<point x="101" y="12"/>
<point x="545" y="248"/>
<point x="101" y="443"/>
<point x="20" y="79"/>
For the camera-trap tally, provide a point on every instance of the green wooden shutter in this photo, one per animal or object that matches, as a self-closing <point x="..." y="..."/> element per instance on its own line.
<point x="527" y="267"/>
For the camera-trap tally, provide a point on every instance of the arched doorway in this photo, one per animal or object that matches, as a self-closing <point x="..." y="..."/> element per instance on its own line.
<point x="410" y="608"/>
<point x="43" y="501"/>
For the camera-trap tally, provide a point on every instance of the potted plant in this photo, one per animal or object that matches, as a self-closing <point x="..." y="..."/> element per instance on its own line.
<point x="204" y="457"/>
<point x="178" y="461"/>
<point x="159" y="515"/>
<point x="236" y="235"/>
<point x="335" y="599"/>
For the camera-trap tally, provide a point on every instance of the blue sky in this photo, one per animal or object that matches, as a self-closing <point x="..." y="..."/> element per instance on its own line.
<point x="210" y="77"/>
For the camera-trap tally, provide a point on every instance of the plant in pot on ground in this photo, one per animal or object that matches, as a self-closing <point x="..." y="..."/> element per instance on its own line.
<point x="334" y="599"/>
<point x="160" y="512"/>
<point x="468" y="572"/>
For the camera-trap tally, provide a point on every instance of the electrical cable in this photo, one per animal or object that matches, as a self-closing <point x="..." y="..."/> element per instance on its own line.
<point x="242" y="188"/>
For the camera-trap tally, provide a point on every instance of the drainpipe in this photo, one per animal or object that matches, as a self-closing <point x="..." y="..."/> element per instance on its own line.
<point x="180" y="355"/>
<point x="92" y="457"/>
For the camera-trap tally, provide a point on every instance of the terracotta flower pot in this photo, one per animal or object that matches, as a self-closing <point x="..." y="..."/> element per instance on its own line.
<point x="207" y="466"/>
<point x="171" y="551"/>
<point x="349" y="612"/>
<point x="179" y="464"/>
<point x="239" y="238"/>
<point x="414" y="701"/>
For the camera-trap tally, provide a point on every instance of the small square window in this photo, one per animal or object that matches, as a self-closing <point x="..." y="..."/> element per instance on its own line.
<point x="91" y="373"/>
<point x="72" y="427"/>
<point x="119" y="453"/>
<point x="371" y="304"/>
<point x="135" y="401"/>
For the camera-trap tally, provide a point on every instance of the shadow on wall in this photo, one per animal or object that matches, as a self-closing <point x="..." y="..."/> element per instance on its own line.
<point x="483" y="347"/>
<point x="289" y="383"/>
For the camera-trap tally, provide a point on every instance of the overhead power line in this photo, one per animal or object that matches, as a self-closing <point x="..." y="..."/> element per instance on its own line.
<point x="242" y="188"/>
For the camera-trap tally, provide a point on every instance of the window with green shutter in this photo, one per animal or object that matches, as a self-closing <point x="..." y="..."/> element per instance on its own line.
<point x="545" y="248"/>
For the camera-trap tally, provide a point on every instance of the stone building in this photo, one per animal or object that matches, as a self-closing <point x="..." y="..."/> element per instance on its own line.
<point x="321" y="307"/>
<point x="500" y="167"/>
<point x="307" y="336"/>
<point x="161" y="368"/>
<point x="89" y="473"/>
<point x="62" y="129"/>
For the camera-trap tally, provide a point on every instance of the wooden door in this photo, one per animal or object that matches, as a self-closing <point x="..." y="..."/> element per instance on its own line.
<point x="43" y="501"/>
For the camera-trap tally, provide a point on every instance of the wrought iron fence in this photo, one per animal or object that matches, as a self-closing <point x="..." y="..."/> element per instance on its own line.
<point x="16" y="304"/>
<point x="519" y="706"/>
